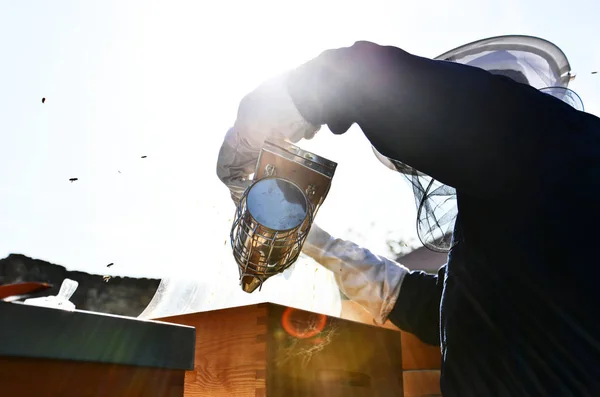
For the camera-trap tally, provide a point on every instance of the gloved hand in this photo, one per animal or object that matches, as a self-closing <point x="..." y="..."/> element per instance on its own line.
<point x="371" y="281"/>
<point x="268" y="112"/>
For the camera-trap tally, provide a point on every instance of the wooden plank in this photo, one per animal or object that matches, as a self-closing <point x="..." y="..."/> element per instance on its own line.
<point x="230" y="352"/>
<point x="422" y="384"/>
<point x="29" y="377"/>
<point x="417" y="355"/>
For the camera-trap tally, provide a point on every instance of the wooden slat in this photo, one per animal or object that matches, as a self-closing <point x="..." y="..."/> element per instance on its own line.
<point x="422" y="384"/>
<point x="230" y="351"/>
<point x="417" y="355"/>
<point x="29" y="377"/>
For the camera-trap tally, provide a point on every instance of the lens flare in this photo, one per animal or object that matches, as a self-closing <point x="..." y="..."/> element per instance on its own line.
<point x="302" y="325"/>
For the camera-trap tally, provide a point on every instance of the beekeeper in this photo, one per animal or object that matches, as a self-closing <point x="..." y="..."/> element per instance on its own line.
<point x="515" y="308"/>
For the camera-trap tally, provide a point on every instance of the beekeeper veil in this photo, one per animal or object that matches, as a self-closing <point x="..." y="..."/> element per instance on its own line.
<point x="527" y="60"/>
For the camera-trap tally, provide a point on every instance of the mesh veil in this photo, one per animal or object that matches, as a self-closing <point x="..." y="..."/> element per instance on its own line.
<point x="525" y="59"/>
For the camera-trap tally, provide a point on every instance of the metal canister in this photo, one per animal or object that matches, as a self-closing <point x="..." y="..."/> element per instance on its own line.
<point x="275" y="213"/>
<point x="272" y="222"/>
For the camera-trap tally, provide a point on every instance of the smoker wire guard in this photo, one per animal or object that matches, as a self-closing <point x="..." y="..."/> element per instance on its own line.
<point x="241" y="230"/>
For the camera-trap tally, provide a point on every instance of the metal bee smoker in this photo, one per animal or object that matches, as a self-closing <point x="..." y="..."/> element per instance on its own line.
<point x="275" y="213"/>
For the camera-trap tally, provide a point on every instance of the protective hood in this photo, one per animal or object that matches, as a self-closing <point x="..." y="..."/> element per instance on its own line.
<point x="542" y="63"/>
<point x="525" y="59"/>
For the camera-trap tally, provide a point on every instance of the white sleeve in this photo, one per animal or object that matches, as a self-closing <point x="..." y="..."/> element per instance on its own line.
<point x="370" y="280"/>
<point x="236" y="161"/>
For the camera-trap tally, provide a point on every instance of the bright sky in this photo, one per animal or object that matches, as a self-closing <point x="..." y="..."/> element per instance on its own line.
<point x="163" y="79"/>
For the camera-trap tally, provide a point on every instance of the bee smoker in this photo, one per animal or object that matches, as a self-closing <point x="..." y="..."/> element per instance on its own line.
<point x="275" y="213"/>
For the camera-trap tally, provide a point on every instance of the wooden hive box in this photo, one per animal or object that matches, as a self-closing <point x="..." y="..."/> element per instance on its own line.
<point x="272" y="350"/>
<point x="420" y="362"/>
<point x="56" y="353"/>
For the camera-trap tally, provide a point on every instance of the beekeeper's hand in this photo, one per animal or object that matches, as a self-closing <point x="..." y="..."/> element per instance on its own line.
<point x="371" y="281"/>
<point x="268" y="112"/>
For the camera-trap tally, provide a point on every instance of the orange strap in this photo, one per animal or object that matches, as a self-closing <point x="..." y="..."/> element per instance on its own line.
<point x="9" y="290"/>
